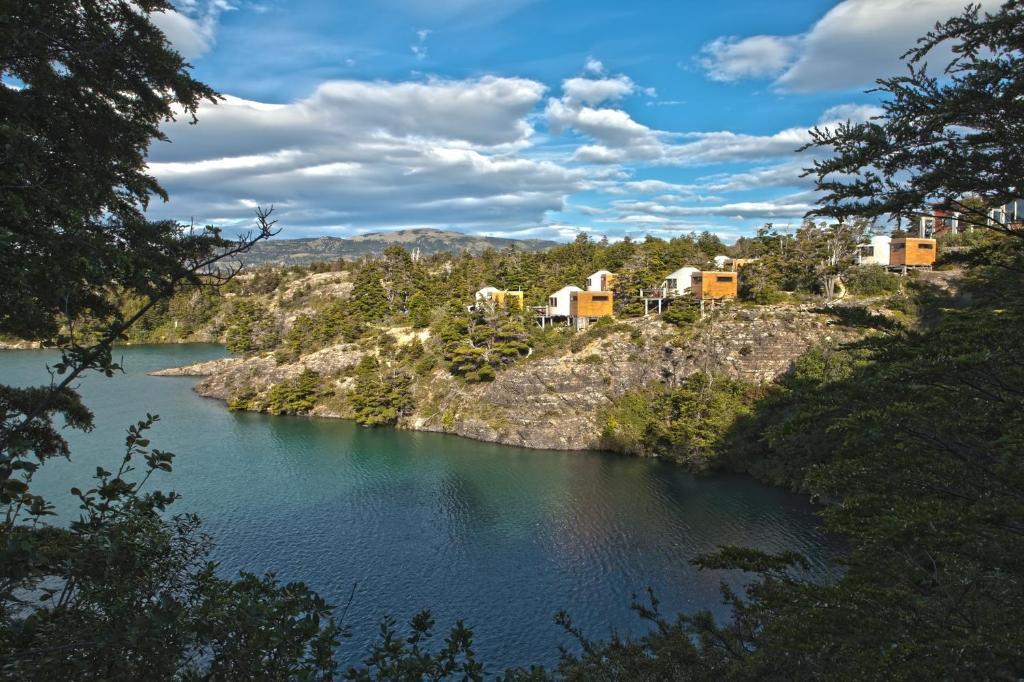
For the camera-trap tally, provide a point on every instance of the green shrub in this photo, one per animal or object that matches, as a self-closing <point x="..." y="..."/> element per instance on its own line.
<point x="871" y="280"/>
<point x="681" y="312"/>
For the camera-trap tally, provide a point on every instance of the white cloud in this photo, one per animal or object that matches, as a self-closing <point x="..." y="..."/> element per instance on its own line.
<point x="367" y="154"/>
<point x="419" y="48"/>
<point x="594" y="66"/>
<point x="780" y="175"/>
<point x="192" y="29"/>
<point x="857" y="113"/>
<point x="854" y="43"/>
<point x="596" y="90"/>
<point x="784" y="207"/>
<point x="730" y="58"/>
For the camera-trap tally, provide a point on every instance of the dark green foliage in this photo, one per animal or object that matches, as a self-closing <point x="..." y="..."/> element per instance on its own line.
<point x="250" y="328"/>
<point x="381" y="395"/>
<point x="396" y="657"/>
<point x="871" y="280"/>
<point x="688" y="424"/>
<point x="368" y="293"/>
<point x="419" y="311"/>
<point x="98" y="80"/>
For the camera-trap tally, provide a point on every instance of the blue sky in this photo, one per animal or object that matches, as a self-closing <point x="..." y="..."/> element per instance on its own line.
<point x="529" y="118"/>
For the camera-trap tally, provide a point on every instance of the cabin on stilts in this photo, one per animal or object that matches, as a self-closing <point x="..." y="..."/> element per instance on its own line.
<point x="558" y="308"/>
<point x="675" y="284"/>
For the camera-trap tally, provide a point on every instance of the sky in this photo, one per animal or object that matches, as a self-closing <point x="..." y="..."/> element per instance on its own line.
<point x="520" y="118"/>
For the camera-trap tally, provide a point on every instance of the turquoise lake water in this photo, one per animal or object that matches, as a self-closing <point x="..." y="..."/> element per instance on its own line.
<point x="497" y="536"/>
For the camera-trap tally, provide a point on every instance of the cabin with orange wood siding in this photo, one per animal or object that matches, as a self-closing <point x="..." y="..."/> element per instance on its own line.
<point x="714" y="285"/>
<point x="912" y="252"/>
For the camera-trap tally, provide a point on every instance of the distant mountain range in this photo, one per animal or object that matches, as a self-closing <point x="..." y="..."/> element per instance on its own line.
<point x="428" y="241"/>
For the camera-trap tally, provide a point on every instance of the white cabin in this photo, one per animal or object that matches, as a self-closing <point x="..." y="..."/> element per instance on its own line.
<point x="678" y="282"/>
<point x="487" y="293"/>
<point x="600" y="280"/>
<point x="558" y="302"/>
<point x="721" y="262"/>
<point x="875" y="253"/>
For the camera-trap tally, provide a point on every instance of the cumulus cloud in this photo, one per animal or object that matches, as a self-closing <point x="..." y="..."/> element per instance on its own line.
<point x="857" y="113"/>
<point x="730" y="58"/>
<point x="192" y="28"/>
<point x="594" y="66"/>
<point x="367" y="154"/>
<point x="787" y="174"/>
<point x="597" y="90"/>
<point x="855" y="42"/>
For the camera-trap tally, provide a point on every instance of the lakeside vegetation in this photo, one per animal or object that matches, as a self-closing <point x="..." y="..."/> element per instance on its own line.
<point x="914" y="434"/>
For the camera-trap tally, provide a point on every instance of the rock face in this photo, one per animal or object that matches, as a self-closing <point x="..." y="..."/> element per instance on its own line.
<point x="557" y="401"/>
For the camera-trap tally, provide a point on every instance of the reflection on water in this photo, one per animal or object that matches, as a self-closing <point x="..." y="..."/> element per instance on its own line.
<point x="500" y="537"/>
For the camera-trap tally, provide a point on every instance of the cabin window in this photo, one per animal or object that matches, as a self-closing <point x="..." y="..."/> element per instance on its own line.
<point x="553" y="302"/>
<point x="897" y="246"/>
<point x="867" y="251"/>
<point x="670" y="284"/>
<point x="723" y="278"/>
<point x="926" y="246"/>
<point x="599" y="298"/>
<point x="696" y="278"/>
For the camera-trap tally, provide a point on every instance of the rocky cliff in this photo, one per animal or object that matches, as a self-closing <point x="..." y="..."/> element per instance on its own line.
<point x="558" y="400"/>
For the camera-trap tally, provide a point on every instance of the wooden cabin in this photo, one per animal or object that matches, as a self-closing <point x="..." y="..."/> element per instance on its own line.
<point x="678" y="283"/>
<point x="587" y="307"/>
<point x="591" y="303"/>
<point x="509" y="298"/>
<point x="714" y="285"/>
<point x="602" y="280"/>
<point x="500" y="297"/>
<point x="912" y="252"/>
<point x="559" y="302"/>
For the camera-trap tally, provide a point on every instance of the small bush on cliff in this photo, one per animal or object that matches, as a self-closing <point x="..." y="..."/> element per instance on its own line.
<point x="681" y="313"/>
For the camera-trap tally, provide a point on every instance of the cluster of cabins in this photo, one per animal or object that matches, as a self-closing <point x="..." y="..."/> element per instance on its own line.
<point x="580" y="308"/>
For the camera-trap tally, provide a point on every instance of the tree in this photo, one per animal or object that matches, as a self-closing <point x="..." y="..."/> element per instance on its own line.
<point x="381" y="395"/>
<point x="97" y="80"/>
<point x="126" y="591"/>
<point x="941" y="138"/>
